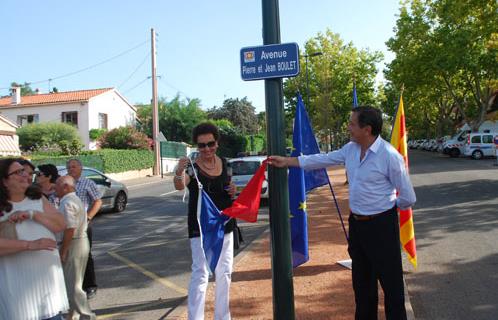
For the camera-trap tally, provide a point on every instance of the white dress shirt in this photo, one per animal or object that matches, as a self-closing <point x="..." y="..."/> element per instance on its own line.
<point x="373" y="181"/>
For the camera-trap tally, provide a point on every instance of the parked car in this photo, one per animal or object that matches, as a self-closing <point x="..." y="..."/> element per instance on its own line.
<point x="243" y="169"/>
<point x="114" y="193"/>
<point x="480" y="145"/>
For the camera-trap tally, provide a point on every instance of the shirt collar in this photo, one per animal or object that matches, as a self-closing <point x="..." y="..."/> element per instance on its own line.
<point x="376" y="145"/>
<point x="67" y="195"/>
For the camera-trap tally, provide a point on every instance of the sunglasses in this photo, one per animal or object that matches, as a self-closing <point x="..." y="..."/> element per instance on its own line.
<point x="202" y="145"/>
<point x="19" y="172"/>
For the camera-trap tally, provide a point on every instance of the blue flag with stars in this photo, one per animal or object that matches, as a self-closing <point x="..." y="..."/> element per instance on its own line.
<point x="212" y="227"/>
<point x="300" y="182"/>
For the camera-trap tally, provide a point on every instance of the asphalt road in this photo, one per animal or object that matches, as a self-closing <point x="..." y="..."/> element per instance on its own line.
<point x="142" y="255"/>
<point x="456" y="229"/>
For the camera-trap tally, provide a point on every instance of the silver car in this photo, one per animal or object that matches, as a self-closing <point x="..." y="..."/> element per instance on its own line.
<point x="114" y="193"/>
<point x="243" y="170"/>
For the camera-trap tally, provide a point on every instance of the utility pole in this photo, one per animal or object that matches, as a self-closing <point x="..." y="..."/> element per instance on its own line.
<point x="283" y="288"/>
<point x="155" y="112"/>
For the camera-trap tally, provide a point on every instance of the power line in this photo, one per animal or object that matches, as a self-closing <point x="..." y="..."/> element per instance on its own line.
<point x="86" y="68"/>
<point x="134" y="71"/>
<point x="172" y="87"/>
<point x="137" y="85"/>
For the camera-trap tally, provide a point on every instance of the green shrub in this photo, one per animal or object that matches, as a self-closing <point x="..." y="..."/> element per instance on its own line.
<point x="46" y="135"/>
<point x="95" y="134"/>
<point x="125" y="160"/>
<point x="105" y="160"/>
<point x="258" y="142"/>
<point x="125" y="138"/>
<point x="70" y="148"/>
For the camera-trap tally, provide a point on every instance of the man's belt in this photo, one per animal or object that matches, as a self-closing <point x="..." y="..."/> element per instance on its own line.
<point x="362" y="217"/>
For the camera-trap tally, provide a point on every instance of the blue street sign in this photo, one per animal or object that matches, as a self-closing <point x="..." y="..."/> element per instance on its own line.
<point x="270" y="61"/>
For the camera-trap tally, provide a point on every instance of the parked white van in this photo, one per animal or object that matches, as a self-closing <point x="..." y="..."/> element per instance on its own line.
<point x="481" y="145"/>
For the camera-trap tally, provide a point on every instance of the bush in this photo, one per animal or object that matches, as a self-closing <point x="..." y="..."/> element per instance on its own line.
<point x="125" y="138"/>
<point x="125" y="160"/>
<point x="46" y="135"/>
<point x="105" y="160"/>
<point x="95" y="134"/>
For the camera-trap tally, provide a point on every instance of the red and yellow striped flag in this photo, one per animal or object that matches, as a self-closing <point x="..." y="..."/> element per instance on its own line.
<point x="406" y="230"/>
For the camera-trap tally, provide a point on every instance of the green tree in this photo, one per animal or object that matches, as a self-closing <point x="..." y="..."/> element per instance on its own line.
<point x="177" y="118"/>
<point x="240" y="112"/>
<point x="447" y="60"/>
<point x="231" y="141"/>
<point x="331" y="78"/>
<point x="26" y="89"/>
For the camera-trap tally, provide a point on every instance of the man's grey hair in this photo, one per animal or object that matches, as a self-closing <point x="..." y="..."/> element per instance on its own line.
<point x="74" y="159"/>
<point x="66" y="181"/>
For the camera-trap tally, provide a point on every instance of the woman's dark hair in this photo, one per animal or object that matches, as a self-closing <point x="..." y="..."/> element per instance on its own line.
<point x="25" y="162"/>
<point x="369" y="116"/>
<point x="49" y="170"/>
<point x="205" y="128"/>
<point x="31" y="192"/>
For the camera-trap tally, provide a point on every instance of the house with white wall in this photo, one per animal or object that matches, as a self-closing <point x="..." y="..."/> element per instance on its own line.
<point x="85" y="109"/>
<point x="9" y="141"/>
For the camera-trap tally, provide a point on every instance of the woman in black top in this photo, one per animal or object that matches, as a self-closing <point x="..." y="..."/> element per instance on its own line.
<point x="213" y="175"/>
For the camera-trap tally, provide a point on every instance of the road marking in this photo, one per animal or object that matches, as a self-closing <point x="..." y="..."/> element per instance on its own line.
<point x="153" y="276"/>
<point x="165" y="194"/>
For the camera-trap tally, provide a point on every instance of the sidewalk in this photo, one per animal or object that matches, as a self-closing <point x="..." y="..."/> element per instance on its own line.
<point x="322" y="288"/>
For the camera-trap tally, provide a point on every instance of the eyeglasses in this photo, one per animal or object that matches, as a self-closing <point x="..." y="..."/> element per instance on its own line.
<point x="209" y="144"/>
<point x="39" y="174"/>
<point x="18" y="172"/>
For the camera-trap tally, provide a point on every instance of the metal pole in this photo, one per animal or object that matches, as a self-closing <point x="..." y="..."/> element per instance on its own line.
<point x="283" y="290"/>
<point x="307" y="83"/>
<point x="155" y="112"/>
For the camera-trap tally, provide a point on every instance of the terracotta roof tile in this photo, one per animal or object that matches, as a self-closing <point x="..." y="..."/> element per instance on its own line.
<point x="51" y="98"/>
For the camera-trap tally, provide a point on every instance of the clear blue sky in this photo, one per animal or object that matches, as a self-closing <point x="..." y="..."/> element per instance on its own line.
<point x="198" y="42"/>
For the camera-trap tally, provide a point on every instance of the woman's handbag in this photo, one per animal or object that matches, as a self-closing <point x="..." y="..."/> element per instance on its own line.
<point x="237" y="237"/>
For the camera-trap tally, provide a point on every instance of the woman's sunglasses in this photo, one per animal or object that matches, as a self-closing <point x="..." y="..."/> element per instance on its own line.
<point x="209" y="144"/>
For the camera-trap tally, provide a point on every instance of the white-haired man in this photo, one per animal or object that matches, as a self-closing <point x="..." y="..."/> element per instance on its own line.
<point x="74" y="247"/>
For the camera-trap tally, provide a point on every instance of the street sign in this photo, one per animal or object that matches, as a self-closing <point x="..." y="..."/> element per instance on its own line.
<point x="270" y="61"/>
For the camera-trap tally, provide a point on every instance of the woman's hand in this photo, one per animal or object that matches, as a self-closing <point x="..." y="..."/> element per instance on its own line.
<point x="231" y="189"/>
<point x="19" y="216"/>
<point x="182" y="165"/>
<point x="42" y="244"/>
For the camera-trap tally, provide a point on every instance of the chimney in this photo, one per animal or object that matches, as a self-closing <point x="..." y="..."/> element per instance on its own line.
<point x="16" y="95"/>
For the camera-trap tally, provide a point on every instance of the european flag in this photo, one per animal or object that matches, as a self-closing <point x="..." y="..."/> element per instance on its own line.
<point x="300" y="182"/>
<point x="212" y="226"/>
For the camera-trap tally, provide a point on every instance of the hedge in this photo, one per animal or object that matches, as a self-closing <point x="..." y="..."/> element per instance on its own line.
<point x="106" y="160"/>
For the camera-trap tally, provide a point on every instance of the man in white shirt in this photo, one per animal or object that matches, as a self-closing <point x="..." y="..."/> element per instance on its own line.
<point x="74" y="247"/>
<point x="378" y="185"/>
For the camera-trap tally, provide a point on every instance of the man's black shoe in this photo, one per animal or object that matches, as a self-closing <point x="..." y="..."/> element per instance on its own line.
<point x="91" y="293"/>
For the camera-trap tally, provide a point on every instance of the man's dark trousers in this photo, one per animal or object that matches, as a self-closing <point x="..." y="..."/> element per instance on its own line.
<point x="375" y="252"/>
<point x="89" y="280"/>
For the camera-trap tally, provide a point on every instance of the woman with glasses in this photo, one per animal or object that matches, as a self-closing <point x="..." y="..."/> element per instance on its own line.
<point x="213" y="174"/>
<point x="31" y="278"/>
<point x="46" y="176"/>
<point x="29" y="168"/>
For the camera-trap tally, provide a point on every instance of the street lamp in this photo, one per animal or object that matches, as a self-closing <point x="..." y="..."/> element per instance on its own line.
<point x="314" y="54"/>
